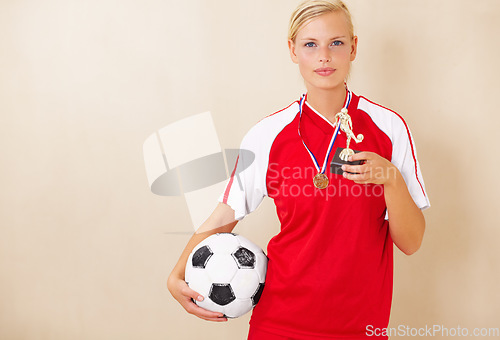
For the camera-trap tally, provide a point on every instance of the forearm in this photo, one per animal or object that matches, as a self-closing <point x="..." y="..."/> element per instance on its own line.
<point x="406" y="221"/>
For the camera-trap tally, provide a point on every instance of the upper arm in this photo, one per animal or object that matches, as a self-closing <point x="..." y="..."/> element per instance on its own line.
<point x="221" y="220"/>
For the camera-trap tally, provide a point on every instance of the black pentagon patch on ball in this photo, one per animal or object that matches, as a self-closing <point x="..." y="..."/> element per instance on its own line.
<point x="258" y="293"/>
<point x="201" y="256"/>
<point x="221" y="294"/>
<point x="244" y="258"/>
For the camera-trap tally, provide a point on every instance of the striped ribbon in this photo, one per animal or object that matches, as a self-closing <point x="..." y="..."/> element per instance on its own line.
<point x="332" y="141"/>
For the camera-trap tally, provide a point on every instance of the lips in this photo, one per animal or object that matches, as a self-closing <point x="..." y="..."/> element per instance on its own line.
<point x="324" y="71"/>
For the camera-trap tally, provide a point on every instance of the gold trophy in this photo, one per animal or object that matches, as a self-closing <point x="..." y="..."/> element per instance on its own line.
<point x="346" y="125"/>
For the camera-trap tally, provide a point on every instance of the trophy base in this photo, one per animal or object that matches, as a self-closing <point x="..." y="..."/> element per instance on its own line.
<point x="336" y="163"/>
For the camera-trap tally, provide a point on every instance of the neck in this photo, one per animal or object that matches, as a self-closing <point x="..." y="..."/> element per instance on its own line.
<point x="327" y="102"/>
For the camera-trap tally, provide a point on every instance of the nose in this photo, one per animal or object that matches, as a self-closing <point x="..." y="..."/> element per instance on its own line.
<point x="324" y="55"/>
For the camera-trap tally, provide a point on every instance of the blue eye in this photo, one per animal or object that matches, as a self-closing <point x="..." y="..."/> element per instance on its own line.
<point x="308" y="44"/>
<point x="337" y="43"/>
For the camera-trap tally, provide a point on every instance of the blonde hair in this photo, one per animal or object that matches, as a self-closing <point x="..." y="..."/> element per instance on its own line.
<point x="310" y="9"/>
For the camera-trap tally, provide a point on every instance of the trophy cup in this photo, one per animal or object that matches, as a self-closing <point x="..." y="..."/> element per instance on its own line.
<point x="346" y="125"/>
<point x="342" y="156"/>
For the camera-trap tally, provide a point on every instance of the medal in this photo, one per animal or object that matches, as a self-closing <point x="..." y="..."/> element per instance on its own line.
<point x="320" y="180"/>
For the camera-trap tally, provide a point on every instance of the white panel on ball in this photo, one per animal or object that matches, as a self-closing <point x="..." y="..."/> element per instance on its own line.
<point x="221" y="268"/>
<point x="224" y="244"/>
<point x="200" y="282"/>
<point x="261" y="265"/>
<point x="238" y="307"/>
<point x="242" y="283"/>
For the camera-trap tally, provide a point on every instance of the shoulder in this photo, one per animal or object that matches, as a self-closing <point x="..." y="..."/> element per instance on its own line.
<point x="266" y="129"/>
<point x="389" y="121"/>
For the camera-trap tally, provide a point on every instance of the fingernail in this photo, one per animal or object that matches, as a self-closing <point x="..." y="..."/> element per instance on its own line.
<point x="344" y="174"/>
<point x="343" y="167"/>
<point x="200" y="298"/>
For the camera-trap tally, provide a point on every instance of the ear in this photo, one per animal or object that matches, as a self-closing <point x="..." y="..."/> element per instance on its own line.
<point x="291" y="47"/>
<point x="354" y="47"/>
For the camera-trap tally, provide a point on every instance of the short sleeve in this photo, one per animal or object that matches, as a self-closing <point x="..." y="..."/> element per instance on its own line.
<point x="404" y="157"/>
<point x="246" y="187"/>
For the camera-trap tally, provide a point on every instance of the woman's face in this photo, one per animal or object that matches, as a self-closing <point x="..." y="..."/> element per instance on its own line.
<point x="323" y="49"/>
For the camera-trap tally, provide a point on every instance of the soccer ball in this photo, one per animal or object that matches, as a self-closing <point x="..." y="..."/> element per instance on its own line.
<point x="229" y="271"/>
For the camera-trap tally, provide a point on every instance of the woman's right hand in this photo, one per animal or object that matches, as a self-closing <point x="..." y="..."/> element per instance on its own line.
<point x="183" y="294"/>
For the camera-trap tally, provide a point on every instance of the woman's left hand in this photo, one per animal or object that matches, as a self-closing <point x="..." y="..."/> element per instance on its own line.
<point x="375" y="169"/>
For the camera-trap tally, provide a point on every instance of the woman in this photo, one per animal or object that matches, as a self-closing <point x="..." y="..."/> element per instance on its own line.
<point x="330" y="267"/>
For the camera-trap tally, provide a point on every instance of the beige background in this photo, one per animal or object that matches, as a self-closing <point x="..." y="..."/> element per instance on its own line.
<point x="85" y="247"/>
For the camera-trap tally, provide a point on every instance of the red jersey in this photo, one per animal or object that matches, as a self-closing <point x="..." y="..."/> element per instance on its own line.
<point x="330" y="270"/>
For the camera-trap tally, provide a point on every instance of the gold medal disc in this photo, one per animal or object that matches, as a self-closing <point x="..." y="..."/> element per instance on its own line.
<point x="320" y="181"/>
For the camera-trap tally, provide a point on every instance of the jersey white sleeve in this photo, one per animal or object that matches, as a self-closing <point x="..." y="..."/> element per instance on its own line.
<point x="246" y="187"/>
<point x="404" y="157"/>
